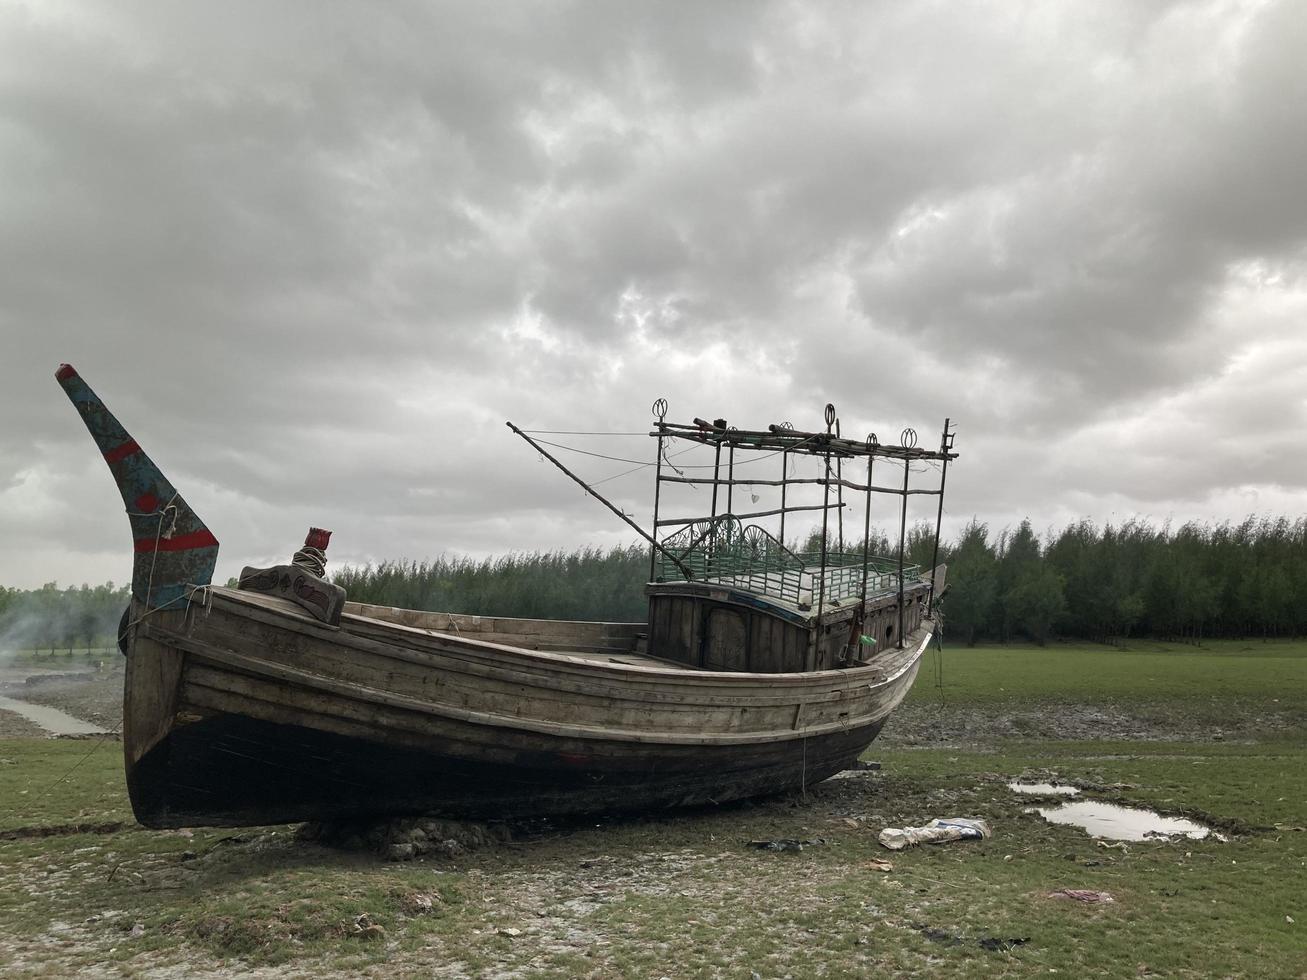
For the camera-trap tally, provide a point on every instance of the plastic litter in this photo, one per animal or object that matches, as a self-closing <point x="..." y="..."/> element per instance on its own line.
<point x="936" y="832"/>
<point x="996" y="945"/>
<point x="993" y="944"/>
<point x="786" y="844"/>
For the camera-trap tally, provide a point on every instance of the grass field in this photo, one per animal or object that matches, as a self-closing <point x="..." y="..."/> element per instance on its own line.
<point x="685" y="895"/>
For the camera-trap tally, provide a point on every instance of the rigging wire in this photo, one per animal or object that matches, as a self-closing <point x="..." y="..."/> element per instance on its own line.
<point x="585" y="452"/>
<point x="666" y="458"/>
<point x="571" y="432"/>
<point x="638" y="465"/>
<point x="76" y="765"/>
<point x="641" y="463"/>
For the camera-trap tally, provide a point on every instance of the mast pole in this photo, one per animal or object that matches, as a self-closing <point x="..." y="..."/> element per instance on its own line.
<point x="945" y="444"/>
<point x="660" y="413"/>
<point x="712" y="519"/>
<point x="825" y="515"/>
<point x="785" y="471"/>
<point x="716" y="468"/>
<point x="730" y="480"/>
<point x="908" y="440"/>
<point x="839" y="491"/>
<point x="866" y="521"/>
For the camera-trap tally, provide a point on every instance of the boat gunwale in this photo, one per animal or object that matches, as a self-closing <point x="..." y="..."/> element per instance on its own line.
<point x="896" y="663"/>
<point x="311" y="681"/>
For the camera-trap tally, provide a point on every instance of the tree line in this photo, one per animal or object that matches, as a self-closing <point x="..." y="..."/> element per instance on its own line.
<point x="1134" y="579"/>
<point x="51" y="618"/>
<point x="1085" y="582"/>
<point x="586" y="584"/>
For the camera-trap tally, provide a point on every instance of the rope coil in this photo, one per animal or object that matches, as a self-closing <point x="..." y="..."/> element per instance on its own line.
<point x="312" y="559"/>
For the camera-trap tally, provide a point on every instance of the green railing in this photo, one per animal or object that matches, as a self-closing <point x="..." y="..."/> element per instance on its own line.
<point x="749" y="558"/>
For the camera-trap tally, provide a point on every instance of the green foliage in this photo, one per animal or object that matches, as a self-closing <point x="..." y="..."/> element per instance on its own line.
<point x="1027" y="599"/>
<point x="973" y="583"/>
<point x="589" y="584"/>
<point x="1192" y="583"/>
<point x="1101" y="584"/>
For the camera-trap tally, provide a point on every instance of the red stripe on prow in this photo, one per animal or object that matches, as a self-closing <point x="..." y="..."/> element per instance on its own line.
<point x="318" y="538"/>
<point x="183" y="542"/>
<point x="65" y="372"/>
<point x="146" y="503"/>
<point x="128" y="448"/>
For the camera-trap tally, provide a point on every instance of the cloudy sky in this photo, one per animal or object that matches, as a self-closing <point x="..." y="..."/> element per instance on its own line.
<point x="314" y="254"/>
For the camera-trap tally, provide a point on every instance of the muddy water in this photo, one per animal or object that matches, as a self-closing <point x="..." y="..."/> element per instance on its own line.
<point x="1122" y="822"/>
<point x="53" y="720"/>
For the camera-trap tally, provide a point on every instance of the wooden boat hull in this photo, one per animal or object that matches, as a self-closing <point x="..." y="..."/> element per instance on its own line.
<point x="237" y="771"/>
<point x="242" y="710"/>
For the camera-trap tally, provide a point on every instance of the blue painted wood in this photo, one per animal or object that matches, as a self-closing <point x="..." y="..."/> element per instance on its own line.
<point x="173" y="549"/>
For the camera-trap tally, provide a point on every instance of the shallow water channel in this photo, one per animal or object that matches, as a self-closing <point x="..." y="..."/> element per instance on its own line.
<point x="53" y="720"/>
<point x="1117" y="822"/>
<point x="1110" y="820"/>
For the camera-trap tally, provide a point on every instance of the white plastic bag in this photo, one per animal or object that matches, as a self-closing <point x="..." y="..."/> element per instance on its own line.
<point x="935" y="832"/>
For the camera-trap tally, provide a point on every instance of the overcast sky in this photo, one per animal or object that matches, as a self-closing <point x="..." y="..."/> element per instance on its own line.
<point x="314" y="254"/>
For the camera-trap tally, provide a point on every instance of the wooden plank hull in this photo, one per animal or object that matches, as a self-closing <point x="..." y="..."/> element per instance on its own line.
<point x="242" y="710"/>
<point x="237" y="771"/>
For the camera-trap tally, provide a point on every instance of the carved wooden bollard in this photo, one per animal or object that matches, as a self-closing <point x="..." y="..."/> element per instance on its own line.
<point x="302" y="581"/>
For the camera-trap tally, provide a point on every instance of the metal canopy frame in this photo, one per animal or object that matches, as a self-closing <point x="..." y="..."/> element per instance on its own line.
<point x="717" y="547"/>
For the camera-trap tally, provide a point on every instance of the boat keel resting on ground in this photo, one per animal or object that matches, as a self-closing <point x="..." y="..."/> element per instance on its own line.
<point x="759" y="670"/>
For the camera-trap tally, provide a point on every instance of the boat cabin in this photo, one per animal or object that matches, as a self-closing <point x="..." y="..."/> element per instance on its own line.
<point x="730" y="596"/>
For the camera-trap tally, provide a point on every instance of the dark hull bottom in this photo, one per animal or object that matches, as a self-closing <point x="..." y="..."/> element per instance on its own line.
<point x="236" y="771"/>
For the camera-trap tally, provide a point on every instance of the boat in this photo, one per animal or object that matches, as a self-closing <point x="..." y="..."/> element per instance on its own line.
<point x="761" y="669"/>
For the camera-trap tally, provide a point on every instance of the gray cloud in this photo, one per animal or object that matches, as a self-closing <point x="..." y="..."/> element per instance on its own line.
<point x="314" y="255"/>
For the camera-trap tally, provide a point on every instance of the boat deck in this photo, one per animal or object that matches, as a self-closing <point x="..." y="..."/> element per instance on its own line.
<point x="629" y="659"/>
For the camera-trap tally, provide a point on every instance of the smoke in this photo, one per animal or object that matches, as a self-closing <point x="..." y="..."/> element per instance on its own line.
<point x="19" y="633"/>
<point x="50" y="619"/>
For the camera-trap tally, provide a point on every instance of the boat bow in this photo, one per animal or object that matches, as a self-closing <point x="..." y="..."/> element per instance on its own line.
<point x="173" y="549"/>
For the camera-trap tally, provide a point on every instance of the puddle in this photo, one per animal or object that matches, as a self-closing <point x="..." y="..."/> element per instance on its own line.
<point x="1043" y="789"/>
<point x="1122" y="822"/>
<point x="53" y="720"/>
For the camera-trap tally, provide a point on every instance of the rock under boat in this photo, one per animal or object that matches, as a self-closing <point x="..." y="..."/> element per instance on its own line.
<point x="759" y="670"/>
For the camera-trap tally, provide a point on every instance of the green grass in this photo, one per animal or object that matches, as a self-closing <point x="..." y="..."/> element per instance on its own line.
<point x="47" y="782"/>
<point x="684" y="895"/>
<point x="1144" y="671"/>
